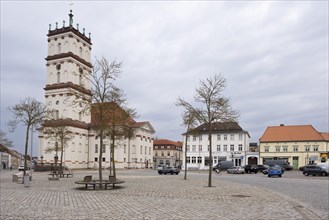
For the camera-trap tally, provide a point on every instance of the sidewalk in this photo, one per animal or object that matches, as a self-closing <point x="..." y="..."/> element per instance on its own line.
<point x="141" y="197"/>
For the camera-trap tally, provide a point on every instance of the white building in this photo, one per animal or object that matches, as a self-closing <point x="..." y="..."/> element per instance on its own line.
<point x="68" y="60"/>
<point x="229" y="143"/>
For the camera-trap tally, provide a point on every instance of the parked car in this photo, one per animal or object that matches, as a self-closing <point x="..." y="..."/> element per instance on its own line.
<point x="281" y="163"/>
<point x="159" y="167"/>
<point x="171" y="170"/>
<point x="251" y="168"/>
<point x="316" y="170"/>
<point x="223" y="165"/>
<point x="265" y="172"/>
<point x="236" y="170"/>
<point x="262" y="167"/>
<point x="275" y="171"/>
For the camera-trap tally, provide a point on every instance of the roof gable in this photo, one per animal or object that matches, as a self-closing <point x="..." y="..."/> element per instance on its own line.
<point x="291" y="133"/>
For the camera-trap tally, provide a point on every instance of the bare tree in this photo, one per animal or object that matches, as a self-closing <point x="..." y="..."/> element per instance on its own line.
<point x="4" y="140"/>
<point x="214" y="108"/>
<point x="30" y="112"/>
<point x="106" y="98"/>
<point x="60" y="135"/>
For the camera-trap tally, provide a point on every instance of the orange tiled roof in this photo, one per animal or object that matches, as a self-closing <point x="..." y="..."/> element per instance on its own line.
<point x="166" y="142"/>
<point x="291" y="133"/>
<point x="325" y="136"/>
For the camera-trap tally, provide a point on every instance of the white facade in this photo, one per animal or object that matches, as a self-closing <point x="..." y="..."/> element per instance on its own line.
<point x="68" y="62"/>
<point x="227" y="145"/>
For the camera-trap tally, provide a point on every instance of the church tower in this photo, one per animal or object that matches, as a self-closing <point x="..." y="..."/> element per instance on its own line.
<point x="68" y="61"/>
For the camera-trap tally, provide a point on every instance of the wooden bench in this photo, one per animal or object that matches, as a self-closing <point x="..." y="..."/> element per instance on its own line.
<point x="87" y="181"/>
<point x="61" y="174"/>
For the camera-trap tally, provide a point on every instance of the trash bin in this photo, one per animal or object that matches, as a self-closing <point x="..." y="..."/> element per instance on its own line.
<point x="27" y="180"/>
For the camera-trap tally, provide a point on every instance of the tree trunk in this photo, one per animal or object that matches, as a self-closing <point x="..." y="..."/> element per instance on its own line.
<point x="100" y="158"/>
<point x="185" y="172"/>
<point x="210" y="157"/>
<point x="112" y="156"/>
<point x="26" y="146"/>
<point x="61" y="164"/>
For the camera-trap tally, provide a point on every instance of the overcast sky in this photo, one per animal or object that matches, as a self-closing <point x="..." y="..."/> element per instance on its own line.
<point x="274" y="56"/>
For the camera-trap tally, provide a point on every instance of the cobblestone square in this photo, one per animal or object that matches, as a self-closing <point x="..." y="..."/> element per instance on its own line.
<point x="142" y="196"/>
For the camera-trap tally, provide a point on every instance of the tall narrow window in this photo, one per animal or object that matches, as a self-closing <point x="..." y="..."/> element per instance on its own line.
<point x="59" y="48"/>
<point x="57" y="114"/>
<point x="80" y="52"/>
<point x="58" y="77"/>
<point x="80" y="116"/>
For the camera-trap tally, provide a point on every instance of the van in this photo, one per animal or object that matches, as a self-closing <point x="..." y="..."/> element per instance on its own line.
<point x="282" y="163"/>
<point x="223" y="165"/>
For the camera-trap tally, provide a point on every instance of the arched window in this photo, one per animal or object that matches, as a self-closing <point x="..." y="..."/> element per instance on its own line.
<point x="80" y="52"/>
<point x="80" y="79"/>
<point x="59" y="48"/>
<point x="58" y="77"/>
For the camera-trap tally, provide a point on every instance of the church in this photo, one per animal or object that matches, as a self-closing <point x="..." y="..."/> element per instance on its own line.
<point x="67" y="62"/>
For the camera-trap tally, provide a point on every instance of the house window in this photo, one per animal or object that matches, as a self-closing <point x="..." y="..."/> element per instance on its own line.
<point x="162" y="153"/>
<point x="124" y="149"/>
<point x="277" y="148"/>
<point x="80" y="51"/>
<point x="150" y="150"/>
<point x="200" y="138"/>
<point x="208" y="148"/>
<point x="145" y="150"/>
<point x="194" y="138"/>
<point x="218" y="137"/>
<point x="188" y="160"/>
<point x="267" y="149"/>
<point x="80" y="79"/>
<point x="133" y="149"/>
<point x="240" y="137"/>
<point x="218" y="147"/>
<point x="187" y="148"/>
<point x="188" y="138"/>
<point x="96" y="148"/>
<point x="315" y="148"/>
<point x="240" y="147"/>
<point x="285" y="148"/>
<point x="193" y="159"/>
<point x="225" y="137"/>
<point x="168" y="153"/>
<point x="307" y="148"/>
<point x="225" y="147"/>
<point x="200" y="148"/>
<point x="295" y="148"/>
<point x="96" y="159"/>
<point x="193" y="148"/>
<point x="232" y="137"/>
<point x="232" y="147"/>
<point x="103" y="159"/>
<point x="199" y="159"/>
<point x="104" y="149"/>
<point x="141" y="150"/>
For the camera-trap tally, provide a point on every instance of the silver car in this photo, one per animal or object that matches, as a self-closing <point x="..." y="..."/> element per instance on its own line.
<point x="236" y="170"/>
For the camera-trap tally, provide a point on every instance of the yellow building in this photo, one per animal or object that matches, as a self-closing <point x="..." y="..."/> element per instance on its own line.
<point x="298" y="144"/>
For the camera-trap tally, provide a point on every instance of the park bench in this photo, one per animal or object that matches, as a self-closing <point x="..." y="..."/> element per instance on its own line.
<point x="87" y="181"/>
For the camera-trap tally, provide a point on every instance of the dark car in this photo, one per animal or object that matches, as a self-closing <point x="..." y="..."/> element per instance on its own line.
<point x="262" y="167"/>
<point x="170" y="170"/>
<point x="316" y="170"/>
<point x="251" y="168"/>
<point x="223" y="165"/>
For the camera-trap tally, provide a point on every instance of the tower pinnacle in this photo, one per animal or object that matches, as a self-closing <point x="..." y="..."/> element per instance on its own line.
<point x="71" y="18"/>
